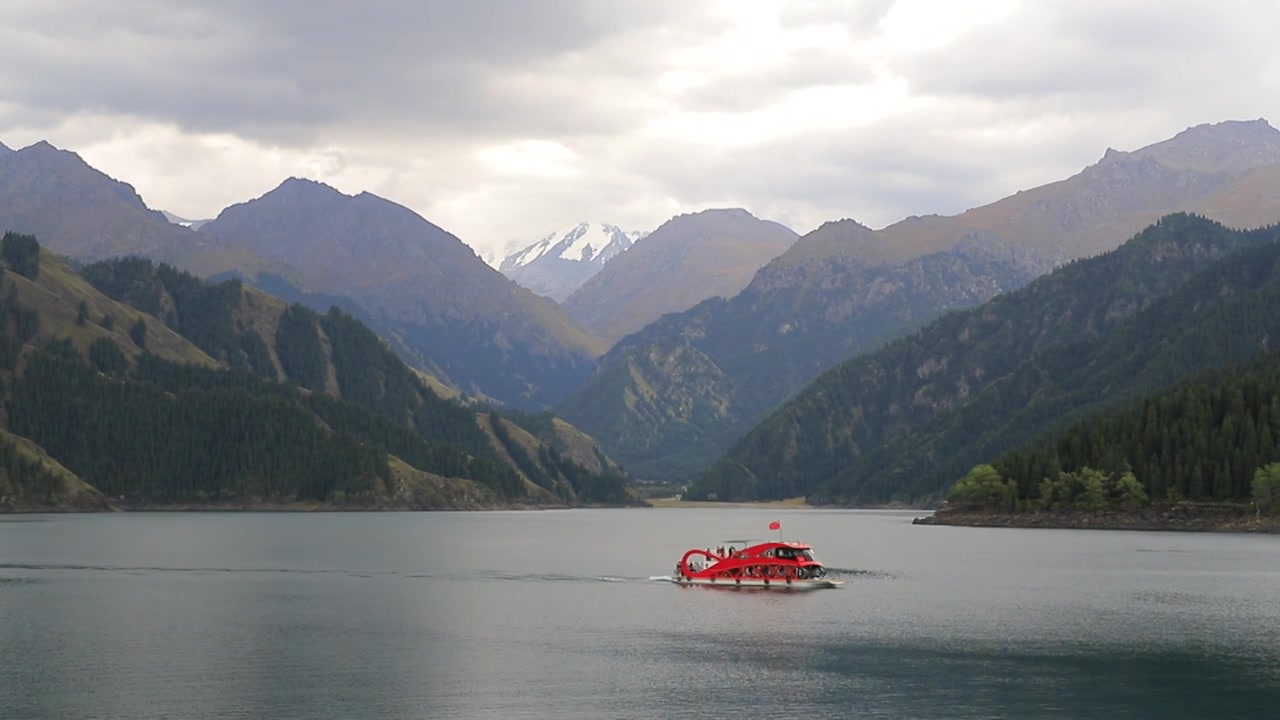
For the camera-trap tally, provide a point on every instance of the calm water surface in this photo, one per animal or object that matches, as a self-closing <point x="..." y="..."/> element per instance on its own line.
<point x="555" y="615"/>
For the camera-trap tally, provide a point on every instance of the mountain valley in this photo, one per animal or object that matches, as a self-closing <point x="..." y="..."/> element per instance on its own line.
<point x="671" y="398"/>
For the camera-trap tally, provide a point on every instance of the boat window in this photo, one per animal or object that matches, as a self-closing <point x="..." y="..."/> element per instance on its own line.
<point x="807" y="555"/>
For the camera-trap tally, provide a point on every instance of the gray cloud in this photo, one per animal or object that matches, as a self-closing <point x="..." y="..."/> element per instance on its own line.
<point x="1113" y="53"/>
<point x="433" y="104"/>
<point x="807" y="68"/>
<point x="285" y="71"/>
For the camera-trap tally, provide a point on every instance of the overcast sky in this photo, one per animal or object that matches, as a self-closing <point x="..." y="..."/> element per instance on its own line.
<point x="503" y="120"/>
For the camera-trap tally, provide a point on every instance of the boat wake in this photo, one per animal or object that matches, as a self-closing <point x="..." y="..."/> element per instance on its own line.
<point x="487" y="575"/>
<point x="547" y="577"/>
<point x="147" y="569"/>
<point x="482" y="575"/>
<point x="851" y="574"/>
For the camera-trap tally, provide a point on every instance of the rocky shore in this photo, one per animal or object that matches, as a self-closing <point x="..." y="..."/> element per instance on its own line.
<point x="1181" y="517"/>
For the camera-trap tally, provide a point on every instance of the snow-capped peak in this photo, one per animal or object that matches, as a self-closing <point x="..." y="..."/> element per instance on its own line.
<point x="595" y="243"/>
<point x="520" y="258"/>
<point x="586" y="241"/>
<point x="559" y="263"/>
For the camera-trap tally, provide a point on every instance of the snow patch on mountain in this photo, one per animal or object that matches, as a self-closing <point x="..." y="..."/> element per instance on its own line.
<point x="587" y="241"/>
<point x="184" y="222"/>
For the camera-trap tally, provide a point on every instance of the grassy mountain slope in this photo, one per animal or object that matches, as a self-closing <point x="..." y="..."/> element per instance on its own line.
<point x="899" y="422"/>
<point x="59" y="297"/>
<point x="279" y="287"/>
<point x="31" y="481"/>
<point x="671" y="398"/>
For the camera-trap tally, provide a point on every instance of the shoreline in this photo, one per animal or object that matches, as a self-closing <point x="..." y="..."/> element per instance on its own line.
<point x="1183" y="517"/>
<point x="796" y="503"/>
<point x="676" y="502"/>
<point x="292" y="507"/>
<point x="118" y="506"/>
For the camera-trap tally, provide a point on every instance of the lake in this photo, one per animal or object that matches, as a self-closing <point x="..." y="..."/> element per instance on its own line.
<point x="553" y="614"/>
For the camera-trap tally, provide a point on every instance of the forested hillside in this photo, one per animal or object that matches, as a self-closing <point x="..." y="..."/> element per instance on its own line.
<point x="670" y="399"/>
<point x="1205" y="439"/>
<point x="283" y="404"/>
<point x="904" y="422"/>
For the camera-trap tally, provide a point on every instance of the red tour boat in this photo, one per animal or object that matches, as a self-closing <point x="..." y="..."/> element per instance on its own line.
<point x="775" y="565"/>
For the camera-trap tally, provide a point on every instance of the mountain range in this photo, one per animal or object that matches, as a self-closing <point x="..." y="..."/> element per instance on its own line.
<point x="1222" y="171"/>
<point x="669" y="399"/>
<point x="441" y="307"/>
<point x="478" y="330"/>
<point x="560" y="263"/>
<point x="902" y="423"/>
<point x="80" y="212"/>
<point x="676" y="347"/>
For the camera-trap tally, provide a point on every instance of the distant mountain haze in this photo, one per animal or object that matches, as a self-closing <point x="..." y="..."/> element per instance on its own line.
<point x="1208" y="169"/>
<point x="82" y="213"/>
<point x="670" y="398"/>
<point x="438" y="304"/>
<point x="560" y="263"/>
<point x="688" y="259"/>
<point x="486" y="334"/>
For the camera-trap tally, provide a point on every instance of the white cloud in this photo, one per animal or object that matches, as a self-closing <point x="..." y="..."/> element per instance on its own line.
<point x="534" y="158"/>
<point x="914" y="25"/>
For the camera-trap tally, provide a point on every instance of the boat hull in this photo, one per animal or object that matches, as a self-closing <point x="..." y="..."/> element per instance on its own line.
<point x="759" y="584"/>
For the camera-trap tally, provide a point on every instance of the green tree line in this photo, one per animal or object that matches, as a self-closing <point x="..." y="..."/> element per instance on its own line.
<point x="1203" y="440"/>
<point x="137" y="441"/>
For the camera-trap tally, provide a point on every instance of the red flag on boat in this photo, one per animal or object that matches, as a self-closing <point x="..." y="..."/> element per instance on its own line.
<point x="775" y="525"/>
